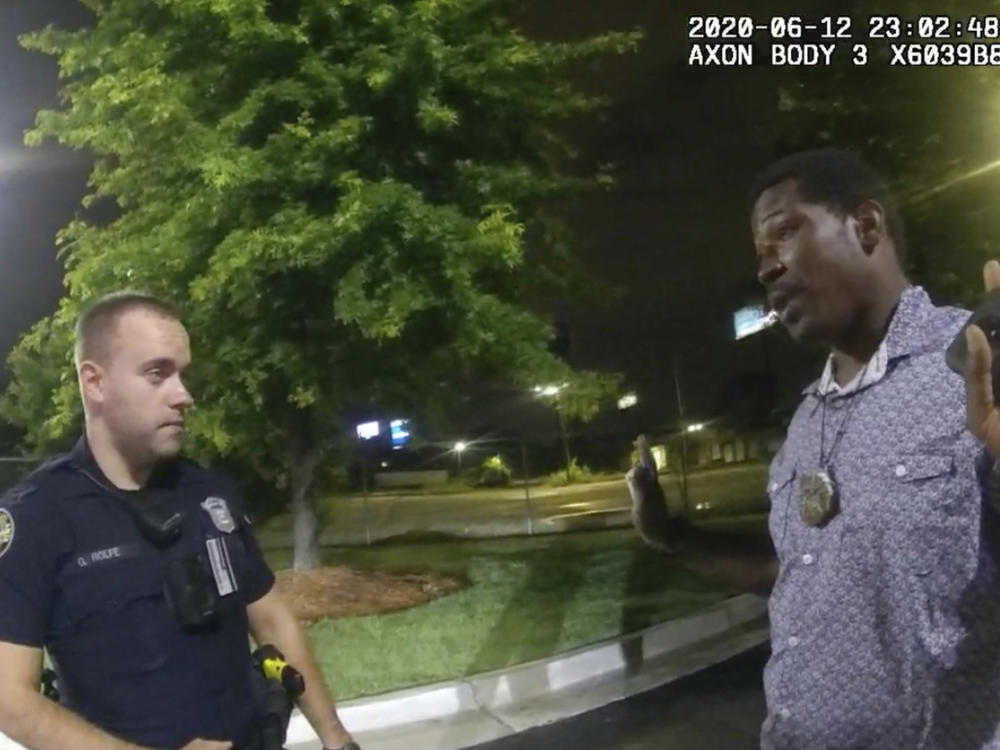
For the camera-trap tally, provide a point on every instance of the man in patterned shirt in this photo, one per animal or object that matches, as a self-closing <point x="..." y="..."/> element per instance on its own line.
<point x="885" y="606"/>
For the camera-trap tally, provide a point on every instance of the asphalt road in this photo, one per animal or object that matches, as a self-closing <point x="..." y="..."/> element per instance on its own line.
<point x="512" y="511"/>
<point x="719" y="708"/>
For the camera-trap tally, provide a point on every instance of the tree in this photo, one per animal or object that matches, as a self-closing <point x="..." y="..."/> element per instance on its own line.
<point x="930" y="129"/>
<point x="354" y="201"/>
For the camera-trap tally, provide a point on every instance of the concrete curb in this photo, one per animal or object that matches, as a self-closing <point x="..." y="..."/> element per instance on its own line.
<point x="460" y="713"/>
<point x="591" y="521"/>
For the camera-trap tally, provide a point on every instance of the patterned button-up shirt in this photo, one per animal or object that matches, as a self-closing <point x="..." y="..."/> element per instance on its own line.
<point x="885" y="623"/>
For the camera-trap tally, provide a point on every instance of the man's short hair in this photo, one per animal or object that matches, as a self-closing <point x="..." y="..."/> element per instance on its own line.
<point x="95" y="328"/>
<point x="837" y="179"/>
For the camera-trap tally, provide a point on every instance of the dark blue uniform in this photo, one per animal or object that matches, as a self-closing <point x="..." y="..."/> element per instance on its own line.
<point x="77" y="577"/>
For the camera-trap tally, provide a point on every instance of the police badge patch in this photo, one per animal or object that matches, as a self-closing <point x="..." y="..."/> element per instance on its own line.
<point x="6" y="531"/>
<point x="218" y="510"/>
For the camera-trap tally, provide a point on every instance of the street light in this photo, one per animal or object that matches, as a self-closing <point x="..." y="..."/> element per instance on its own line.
<point x="552" y="391"/>
<point x="549" y="390"/>
<point x="627" y="401"/>
<point x="459" y="449"/>
<point x="696" y="427"/>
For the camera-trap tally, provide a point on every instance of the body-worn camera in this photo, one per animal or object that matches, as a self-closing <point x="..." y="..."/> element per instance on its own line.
<point x="190" y="586"/>
<point x="191" y="590"/>
<point x="987" y="317"/>
<point x="156" y="521"/>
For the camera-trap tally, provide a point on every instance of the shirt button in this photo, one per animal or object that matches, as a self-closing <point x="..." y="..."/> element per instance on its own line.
<point x="808" y="559"/>
<point x="794" y="641"/>
<point x="900" y="470"/>
<point x="784" y="713"/>
<point x="774" y="486"/>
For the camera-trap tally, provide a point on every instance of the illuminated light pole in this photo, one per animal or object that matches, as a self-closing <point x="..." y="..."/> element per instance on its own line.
<point x="365" y="432"/>
<point x="552" y="392"/>
<point x="459" y="450"/>
<point x="627" y="404"/>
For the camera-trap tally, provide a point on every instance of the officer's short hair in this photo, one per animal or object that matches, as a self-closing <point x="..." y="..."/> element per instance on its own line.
<point x="96" y="325"/>
<point x="838" y="180"/>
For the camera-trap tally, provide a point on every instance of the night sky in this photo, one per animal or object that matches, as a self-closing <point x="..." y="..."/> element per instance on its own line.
<point x="674" y="235"/>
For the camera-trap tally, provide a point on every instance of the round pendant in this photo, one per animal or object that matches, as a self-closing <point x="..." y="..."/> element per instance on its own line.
<point x="817" y="498"/>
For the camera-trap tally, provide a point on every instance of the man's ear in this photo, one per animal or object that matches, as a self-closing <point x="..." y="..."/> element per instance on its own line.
<point x="91" y="376"/>
<point x="869" y="224"/>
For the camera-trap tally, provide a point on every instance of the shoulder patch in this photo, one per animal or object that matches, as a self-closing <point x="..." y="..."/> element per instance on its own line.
<point x="6" y="530"/>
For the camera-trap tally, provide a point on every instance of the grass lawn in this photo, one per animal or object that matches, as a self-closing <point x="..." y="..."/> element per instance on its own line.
<point x="527" y="598"/>
<point x="735" y="490"/>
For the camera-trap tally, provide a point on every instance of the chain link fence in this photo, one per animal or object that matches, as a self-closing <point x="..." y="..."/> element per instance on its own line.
<point x="503" y="486"/>
<point x="511" y="485"/>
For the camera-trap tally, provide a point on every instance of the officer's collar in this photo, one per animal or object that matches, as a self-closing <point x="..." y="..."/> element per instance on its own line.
<point x="904" y="336"/>
<point x="82" y="457"/>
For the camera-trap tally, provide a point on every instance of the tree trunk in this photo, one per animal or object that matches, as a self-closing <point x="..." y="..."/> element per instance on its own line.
<point x="304" y="459"/>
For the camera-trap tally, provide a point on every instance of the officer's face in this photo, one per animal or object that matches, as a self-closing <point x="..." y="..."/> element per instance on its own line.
<point x="143" y="396"/>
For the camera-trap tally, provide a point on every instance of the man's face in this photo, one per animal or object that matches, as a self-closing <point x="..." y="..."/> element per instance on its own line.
<point x="143" y="396"/>
<point x="809" y="261"/>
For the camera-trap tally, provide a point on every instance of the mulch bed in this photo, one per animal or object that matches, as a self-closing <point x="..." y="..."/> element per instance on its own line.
<point x="347" y="592"/>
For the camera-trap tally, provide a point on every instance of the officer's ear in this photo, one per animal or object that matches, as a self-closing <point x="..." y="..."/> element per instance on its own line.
<point x="91" y="377"/>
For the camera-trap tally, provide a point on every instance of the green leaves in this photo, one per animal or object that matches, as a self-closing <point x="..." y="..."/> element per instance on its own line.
<point x="338" y="194"/>
<point x="434" y="116"/>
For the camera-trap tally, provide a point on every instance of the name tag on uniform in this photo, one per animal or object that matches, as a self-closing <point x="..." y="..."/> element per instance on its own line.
<point x="100" y="557"/>
<point x="222" y="567"/>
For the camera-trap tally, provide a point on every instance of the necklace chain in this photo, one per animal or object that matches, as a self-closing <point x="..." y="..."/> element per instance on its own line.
<point x="825" y="462"/>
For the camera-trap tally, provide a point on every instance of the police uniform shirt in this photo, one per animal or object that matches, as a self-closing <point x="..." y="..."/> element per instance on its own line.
<point x="78" y="577"/>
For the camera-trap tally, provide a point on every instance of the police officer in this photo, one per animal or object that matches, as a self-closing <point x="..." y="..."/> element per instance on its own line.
<point x="137" y="570"/>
